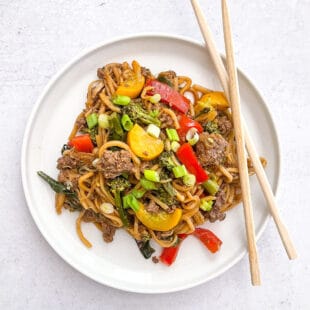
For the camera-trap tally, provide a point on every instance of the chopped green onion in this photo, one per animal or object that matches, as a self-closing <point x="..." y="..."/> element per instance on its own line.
<point x="189" y="179"/>
<point x="151" y="175"/>
<point x="121" y="100"/>
<point x="92" y="120"/>
<point x="148" y="185"/>
<point x="211" y="186"/>
<point x="175" y="146"/>
<point x="138" y="193"/>
<point x="192" y="136"/>
<point x="103" y="121"/>
<point x="172" y="134"/>
<point x="179" y="171"/>
<point x="206" y="205"/>
<point x="131" y="201"/>
<point x="126" y="122"/>
<point x="106" y="208"/>
<point x="154" y="113"/>
<point x="155" y="98"/>
<point x="153" y="130"/>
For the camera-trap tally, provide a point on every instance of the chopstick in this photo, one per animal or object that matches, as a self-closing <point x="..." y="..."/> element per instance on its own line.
<point x="240" y="145"/>
<point x="260" y="172"/>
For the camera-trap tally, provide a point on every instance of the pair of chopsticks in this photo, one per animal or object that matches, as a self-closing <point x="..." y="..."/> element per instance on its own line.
<point x="230" y="85"/>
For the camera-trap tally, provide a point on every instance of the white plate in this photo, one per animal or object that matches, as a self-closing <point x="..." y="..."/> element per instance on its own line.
<point x="120" y="264"/>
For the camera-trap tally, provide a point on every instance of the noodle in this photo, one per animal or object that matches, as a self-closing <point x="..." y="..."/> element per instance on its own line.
<point x="84" y="172"/>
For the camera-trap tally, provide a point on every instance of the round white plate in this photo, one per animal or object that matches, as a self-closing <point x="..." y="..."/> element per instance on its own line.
<point x="120" y="264"/>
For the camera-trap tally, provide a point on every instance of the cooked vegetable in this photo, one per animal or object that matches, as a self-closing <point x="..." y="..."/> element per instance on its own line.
<point x="187" y="156"/>
<point x="187" y="123"/>
<point x="106" y="208"/>
<point x="189" y="179"/>
<point x="145" y="248"/>
<point x="92" y="120"/>
<point x="161" y="221"/>
<point x="153" y="130"/>
<point x="155" y="98"/>
<point x="117" y="132"/>
<point x="130" y="201"/>
<point x="117" y="186"/>
<point x="168" y="95"/>
<point x="172" y="134"/>
<point x="175" y="146"/>
<point x="126" y="122"/>
<point x="206" y="205"/>
<point x="179" y="171"/>
<point x="166" y="161"/>
<point x="134" y="83"/>
<point x="192" y="136"/>
<point x="211" y="186"/>
<point x="121" y="100"/>
<point x="148" y="185"/>
<point x="138" y="193"/>
<point x="211" y="127"/>
<point x="205" y="107"/>
<point x="168" y="255"/>
<point x="144" y="145"/>
<point x="208" y="238"/>
<point x="82" y="143"/>
<point x="151" y="175"/>
<point x="103" y="121"/>
<point x="216" y="99"/>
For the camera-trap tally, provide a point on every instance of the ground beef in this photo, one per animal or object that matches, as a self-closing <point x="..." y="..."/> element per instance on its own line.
<point x="152" y="207"/>
<point x="113" y="164"/>
<point x="211" y="149"/>
<point x="73" y="159"/>
<point x="108" y="230"/>
<point x="81" y="123"/>
<point x="69" y="178"/>
<point x="155" y="260"/>
<point x="224" y="125"/>
<point x="215" y="213"/>
<point x="166" y="120"/>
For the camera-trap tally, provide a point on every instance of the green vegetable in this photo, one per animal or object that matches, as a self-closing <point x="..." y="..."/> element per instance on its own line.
<point x="192" y="136"/>
<point x="189" y="179"/>
<point x="154" y="113"/>
<point x="126" y="122"/>
<point x="155" y="98"/>
<point x="179" y="171"/>
<point x="116" y="127"/>
<point x="92" y="120"/>
<point x="103" y="121"/>
<point x="138" y="114"/>
<point x="206" y="205"/>
<point x="145" y="248"/>
<point x="211" y="186"/>
<point x="211" y="127"/>
<point x="153" y="130"/>
<point x="172" y="134"/>
<point x="166" y="161"/>
<point x="121" y="100"/>
<point x="151" y="175"/>
<point x="163" y="79"/>
<point x="72" y="199"/>
<point x="175" y="146"/>
<point x="131" y="201"/>
<point x="138" y="193"/>
<point x="117" y="186"/>
<point x="165" y="197"/>
<point x="148" y="185"/>
<point x="169" y="188"/>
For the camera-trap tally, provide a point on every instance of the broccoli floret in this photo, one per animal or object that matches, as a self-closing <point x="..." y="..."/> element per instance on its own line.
<point x="165" y="197"/>
<point x="166" y="161"/>
<point x="118" y="184"/>
<point x="211" y="127"/>
<point x="138" y="114"/>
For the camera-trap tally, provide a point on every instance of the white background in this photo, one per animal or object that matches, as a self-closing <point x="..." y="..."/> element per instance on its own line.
<point x="272" y="43"/>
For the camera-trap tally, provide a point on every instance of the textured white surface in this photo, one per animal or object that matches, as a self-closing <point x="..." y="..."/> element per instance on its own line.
<point x="272" y="43"/>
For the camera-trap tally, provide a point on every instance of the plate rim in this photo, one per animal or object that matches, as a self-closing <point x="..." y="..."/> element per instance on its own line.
<point x="28" y="129"/>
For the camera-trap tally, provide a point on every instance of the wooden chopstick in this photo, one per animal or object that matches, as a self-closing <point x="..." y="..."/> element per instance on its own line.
<point x="240" y="145"/>
<point x="260" y="172"/>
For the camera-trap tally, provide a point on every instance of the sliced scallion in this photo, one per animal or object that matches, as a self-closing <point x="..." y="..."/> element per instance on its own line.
<point x="211" y="186"/>
<point x="192" y="136"/>
<point x="148" y="185"/>
<point x="172" y="134"/>
<point x="155" y="98"/>
<point x="175" y="146"/>
<point x="153" y="130"/>
<point x="126" y="122"/>
<point x="206" y="205"/>
<point x="92" y="120"/>
<point x="103" y="121"/>
<point x="151" y="175"/>
<point x="130" y="201"/>
<point x="179" y="171"/>
<point x="106" y="208"/>
<point x="121" y="100"/>
<point x="189" y="179"/>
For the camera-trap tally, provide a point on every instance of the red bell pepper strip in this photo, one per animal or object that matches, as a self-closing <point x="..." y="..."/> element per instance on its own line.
<point x="82" y="143"/>
<point x="168" y="95"/>
<point x="185" y="124"/>
<point x="169" y="255"/>
<point x="208" y="238"/>
<point x="187" y="157"/>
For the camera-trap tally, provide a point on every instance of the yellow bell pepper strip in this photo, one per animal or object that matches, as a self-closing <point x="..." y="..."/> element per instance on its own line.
<point x="161" y="221"/>
<point x="205" y="110"/>
<point x="133" y="85"/>
<point x="217" y="99"/>
<point x="143" y="145"/>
